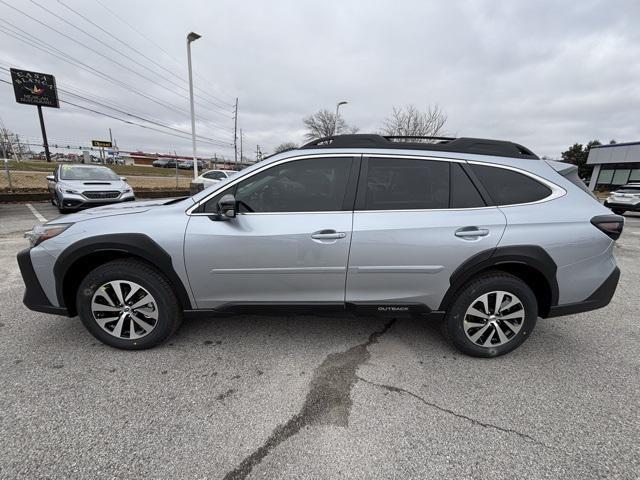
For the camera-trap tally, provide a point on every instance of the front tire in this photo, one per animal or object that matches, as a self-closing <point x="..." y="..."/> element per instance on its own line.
<point x="492" y="315"/>
<point x="128" y="304"/>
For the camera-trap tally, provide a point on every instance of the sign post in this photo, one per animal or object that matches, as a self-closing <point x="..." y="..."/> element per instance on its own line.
<point x="39" y="89"/>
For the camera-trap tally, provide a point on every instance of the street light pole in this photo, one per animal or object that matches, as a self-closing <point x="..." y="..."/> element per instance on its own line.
<point x="191" y="38"/>
<point x="335" y="124"/>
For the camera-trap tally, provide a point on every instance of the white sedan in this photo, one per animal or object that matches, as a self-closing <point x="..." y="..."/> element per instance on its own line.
<point x="212" y="177"/>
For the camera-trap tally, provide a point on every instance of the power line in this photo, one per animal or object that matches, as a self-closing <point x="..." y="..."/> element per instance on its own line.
<point x="215" y="143"/>
<point x="97" y="52"/>
<point x="43" y="46"/>
<point x="159" y="47"/>
<point x="170" y="72"/>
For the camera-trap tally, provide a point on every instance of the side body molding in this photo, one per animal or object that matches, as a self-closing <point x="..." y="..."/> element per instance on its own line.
<point x="531" y="256"/>
<point x="135" y="244"/>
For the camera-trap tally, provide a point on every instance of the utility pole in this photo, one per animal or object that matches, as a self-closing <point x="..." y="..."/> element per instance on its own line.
<point x="241" y="157"/>
<point x="258" y="154"/>
<point x="235" y="134"/>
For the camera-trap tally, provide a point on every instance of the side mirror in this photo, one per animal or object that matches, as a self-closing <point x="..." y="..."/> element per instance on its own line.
<point x="51" y="178"/>
<point x="227" y="207"/>
<point x="124" y="179"/>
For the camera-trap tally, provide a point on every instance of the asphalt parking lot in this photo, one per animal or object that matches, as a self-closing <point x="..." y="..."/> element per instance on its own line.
<point x="317" y="397"/>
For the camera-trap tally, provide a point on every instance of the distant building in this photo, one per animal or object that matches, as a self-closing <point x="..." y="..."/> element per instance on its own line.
<point x="614" y="165"/>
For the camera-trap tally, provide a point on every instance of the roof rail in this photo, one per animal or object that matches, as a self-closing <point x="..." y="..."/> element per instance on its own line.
<point x="476" y="146"/>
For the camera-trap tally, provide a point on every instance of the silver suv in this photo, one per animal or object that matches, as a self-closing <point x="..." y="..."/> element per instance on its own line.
<point x="479" y="234"/>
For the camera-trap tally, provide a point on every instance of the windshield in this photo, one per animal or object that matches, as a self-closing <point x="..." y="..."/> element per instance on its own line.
<point x="72" y="172"/>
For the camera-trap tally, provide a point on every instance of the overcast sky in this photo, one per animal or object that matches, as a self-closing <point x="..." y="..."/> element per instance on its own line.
<point x="543" y="73"/>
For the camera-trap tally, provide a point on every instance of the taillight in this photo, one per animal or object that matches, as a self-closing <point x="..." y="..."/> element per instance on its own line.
<point x="611" y="225"/>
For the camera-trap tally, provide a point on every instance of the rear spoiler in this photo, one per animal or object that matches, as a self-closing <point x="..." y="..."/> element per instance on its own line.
<point x="562" y="168"/>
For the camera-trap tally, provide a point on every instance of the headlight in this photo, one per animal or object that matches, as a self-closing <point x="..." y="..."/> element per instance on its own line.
<point x="63" y="189"/>
<point x="40" y="233"/>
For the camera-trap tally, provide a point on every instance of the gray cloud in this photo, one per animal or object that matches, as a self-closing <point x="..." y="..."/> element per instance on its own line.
<point x="544" y="73"/>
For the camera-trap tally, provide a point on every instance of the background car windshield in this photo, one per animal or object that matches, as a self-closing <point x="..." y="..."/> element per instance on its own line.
<point x="71" y="172"/>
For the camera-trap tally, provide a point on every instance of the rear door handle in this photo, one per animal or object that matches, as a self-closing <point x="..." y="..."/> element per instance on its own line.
<point x="327" y="235"/>
<point x="471" y="232"/>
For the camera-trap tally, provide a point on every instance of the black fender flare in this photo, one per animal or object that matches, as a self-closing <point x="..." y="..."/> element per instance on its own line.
<point x="532" y="256"/>
<point x="134" y="244"/>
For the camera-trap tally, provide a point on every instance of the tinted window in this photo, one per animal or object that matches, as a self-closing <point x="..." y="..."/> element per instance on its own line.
<point x="463" y="193"/>
<point x="313" y="185"/>
<point x="507" y="187"/>
<point x="215" y="175"/>
<point x="399" y="184"/>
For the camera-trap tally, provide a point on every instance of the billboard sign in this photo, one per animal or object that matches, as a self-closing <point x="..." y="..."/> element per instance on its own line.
<point x="101" y="143"/>
<point x="33" y="88"/>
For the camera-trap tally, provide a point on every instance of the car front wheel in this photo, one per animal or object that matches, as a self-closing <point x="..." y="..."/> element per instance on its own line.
<point x="492" y="315"/>
<point x="128" y="304"/>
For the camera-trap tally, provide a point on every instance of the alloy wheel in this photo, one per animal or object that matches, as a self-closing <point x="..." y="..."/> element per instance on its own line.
<point x="494" y="318"/>
<point x="124" y="309"/>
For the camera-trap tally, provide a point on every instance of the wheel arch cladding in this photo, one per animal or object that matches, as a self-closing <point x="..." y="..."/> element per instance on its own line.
<point x="531" y="263"/>
<point x="79" y="258"/>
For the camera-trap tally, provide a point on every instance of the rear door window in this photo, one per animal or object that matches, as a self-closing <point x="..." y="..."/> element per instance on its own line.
<point x="406" y="184"/>
<point x="463" y="193"/>
<point x="507" y="187"/>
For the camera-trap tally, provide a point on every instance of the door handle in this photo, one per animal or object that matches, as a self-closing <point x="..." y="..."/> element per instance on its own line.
<point x="471" y="232"/>
<point x="327" y="235"/>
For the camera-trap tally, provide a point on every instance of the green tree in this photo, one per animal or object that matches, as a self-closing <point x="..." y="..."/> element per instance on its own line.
<point x="577" y="155"/>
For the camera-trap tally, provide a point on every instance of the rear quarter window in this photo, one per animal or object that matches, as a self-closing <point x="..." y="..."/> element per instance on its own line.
<point x="508" y="187"/>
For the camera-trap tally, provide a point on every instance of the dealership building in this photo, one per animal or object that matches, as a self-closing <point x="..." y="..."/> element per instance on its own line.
<point x="614" y="165"/>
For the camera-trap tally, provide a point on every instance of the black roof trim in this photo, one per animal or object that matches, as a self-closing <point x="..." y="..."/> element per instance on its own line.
<point x="476" y="146"/>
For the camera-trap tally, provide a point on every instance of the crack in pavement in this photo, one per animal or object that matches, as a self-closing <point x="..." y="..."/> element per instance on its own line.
<point x="328" y="401"/>
<point x="455" y="414"/>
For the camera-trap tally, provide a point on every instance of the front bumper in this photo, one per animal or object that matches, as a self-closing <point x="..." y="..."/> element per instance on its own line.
<point x="71" y="201"/>
<point x="628" y="207"/>
<point x="598" y="299"/>
<point x="34" y="297"/>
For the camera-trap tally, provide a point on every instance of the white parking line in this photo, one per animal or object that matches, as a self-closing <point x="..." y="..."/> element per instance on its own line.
<point x="36" y="213"/>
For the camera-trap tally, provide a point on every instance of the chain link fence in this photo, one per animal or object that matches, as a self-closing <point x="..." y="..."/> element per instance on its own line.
<point x="30" y="176"/>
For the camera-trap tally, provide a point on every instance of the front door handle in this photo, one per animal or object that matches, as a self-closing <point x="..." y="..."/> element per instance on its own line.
<point x="327" y="235"/>
<point x="471" y="232"/>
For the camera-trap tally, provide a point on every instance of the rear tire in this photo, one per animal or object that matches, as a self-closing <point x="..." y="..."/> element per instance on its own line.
<point x="142" y="314"/>
<point x="492" y="315"/>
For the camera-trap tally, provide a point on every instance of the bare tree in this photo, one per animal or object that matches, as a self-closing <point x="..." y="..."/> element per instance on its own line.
<point x="409" y="121"/>
<point x="283" y="147"/>
<point x="323" y="124"/>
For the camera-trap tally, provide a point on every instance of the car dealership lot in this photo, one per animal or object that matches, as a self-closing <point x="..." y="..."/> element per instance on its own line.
<point x="316" y="397"/>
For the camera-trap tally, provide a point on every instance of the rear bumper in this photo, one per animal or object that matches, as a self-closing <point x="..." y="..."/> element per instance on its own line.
<point x="34" y="297"/>
<point x="628" y="207"/>
<point x="598" y="299"/>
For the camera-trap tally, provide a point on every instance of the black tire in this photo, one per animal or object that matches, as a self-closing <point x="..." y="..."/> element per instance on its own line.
<point x="618" y="211"/>
<point x="169" y="312"/>
<point x="453" y="325"/>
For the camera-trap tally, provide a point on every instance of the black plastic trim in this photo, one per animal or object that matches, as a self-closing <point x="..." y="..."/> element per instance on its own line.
<point x="598" y="299"/>
<point x="34" y="297"/>
<point x="476" y="146"/>
<point x="136" y="244"/>
<point x="531" y="255"/>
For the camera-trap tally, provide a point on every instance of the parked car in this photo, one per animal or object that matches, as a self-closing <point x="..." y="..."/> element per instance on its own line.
<point x="213" y="177"/>
<point x="160" y="163"/>
<point x="188" y="165"/>
<point x="625" y="199"/>
<point x="73" y="187"/>
<point x="479" y="234"/>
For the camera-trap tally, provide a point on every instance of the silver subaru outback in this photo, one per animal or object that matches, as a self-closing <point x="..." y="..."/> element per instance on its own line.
<point x="479" y="234"/>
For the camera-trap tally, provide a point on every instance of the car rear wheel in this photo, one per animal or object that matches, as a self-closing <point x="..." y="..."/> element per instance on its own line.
<point x="128" y="304"/>
<point x="492" y="315"/>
